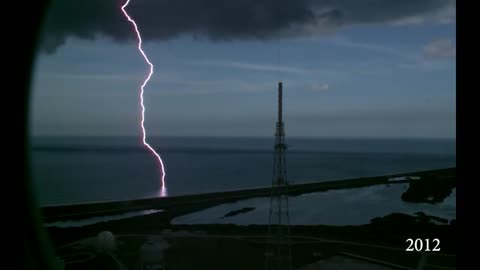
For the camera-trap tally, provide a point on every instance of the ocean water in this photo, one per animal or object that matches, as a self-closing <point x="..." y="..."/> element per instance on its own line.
<point x="85" y="169"/>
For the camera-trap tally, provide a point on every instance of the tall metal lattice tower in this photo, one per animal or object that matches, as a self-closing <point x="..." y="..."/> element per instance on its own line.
<point x="278" y="253"/>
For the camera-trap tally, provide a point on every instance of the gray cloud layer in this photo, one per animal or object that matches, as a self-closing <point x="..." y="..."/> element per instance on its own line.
<point x="438" y="49"/>
<point x="223" y="20"/>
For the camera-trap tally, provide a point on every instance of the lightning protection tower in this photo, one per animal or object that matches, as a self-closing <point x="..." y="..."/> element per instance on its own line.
<point x="278" y="253"/>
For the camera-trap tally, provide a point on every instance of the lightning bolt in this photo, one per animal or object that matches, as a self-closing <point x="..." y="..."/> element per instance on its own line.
<point x="141" y="93"/>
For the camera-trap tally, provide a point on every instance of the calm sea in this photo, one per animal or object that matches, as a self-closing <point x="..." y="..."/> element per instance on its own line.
<point x="82" y="169"/>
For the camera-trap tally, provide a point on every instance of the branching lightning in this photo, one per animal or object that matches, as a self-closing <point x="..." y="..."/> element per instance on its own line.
<point x="142" y="90"/>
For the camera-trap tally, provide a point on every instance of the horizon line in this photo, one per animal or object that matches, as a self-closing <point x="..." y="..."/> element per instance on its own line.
<point x="243" y="136"/>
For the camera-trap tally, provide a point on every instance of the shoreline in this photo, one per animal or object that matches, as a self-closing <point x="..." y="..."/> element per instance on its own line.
<point x="210" y="245"/>
<point x="86" y="210"/>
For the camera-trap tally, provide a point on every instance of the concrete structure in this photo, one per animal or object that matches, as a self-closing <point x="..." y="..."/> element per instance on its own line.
<point x="152" y="254"/>
<point x="105" y="242"/>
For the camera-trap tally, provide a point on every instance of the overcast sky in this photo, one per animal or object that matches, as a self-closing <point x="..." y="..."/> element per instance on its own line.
<point x="374" y="68"/>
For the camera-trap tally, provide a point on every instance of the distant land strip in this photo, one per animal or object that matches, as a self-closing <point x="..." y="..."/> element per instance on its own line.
<point x="84" y="210"/>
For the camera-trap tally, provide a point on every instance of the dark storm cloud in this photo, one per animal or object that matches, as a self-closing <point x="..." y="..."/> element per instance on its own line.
<point x="222" y="20"/>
